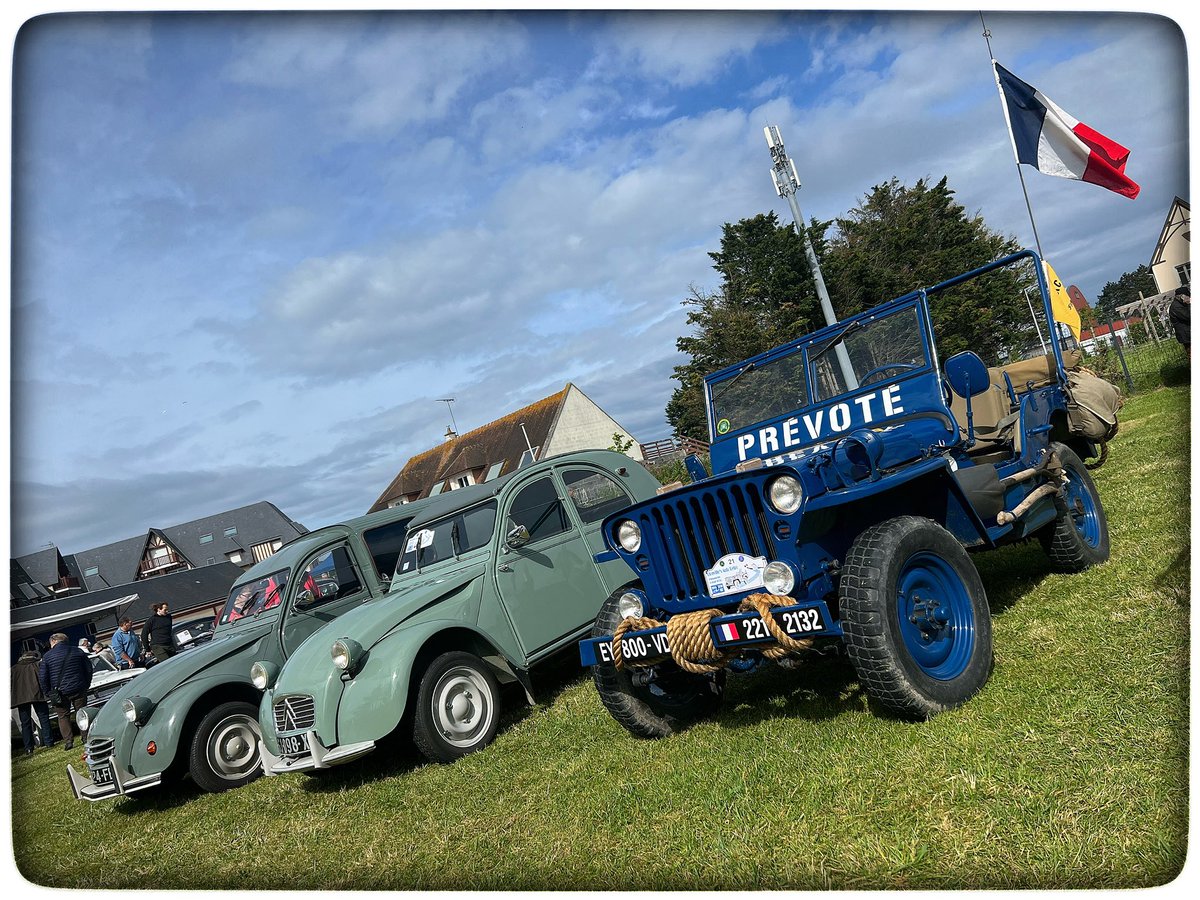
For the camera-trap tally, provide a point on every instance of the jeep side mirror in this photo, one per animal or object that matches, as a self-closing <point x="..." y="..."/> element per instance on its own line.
<point x="967" y="374"/>
<point x="518" y="536"/>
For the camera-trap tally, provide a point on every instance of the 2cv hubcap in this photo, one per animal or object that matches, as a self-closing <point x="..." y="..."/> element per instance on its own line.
<point x="462" y="706"/>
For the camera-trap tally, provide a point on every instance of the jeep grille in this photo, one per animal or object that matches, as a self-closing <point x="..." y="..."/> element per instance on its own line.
<point x="685" y="532"/>
<point x="297" y="713"/>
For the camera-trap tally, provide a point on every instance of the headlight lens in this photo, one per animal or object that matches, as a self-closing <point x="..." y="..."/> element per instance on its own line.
<point x="629" y="606"/>
<point x="785" y="494"/>
<point x="629" y="535"/>
<point x="263" y="674"/>
<point x="346" y="653"/>
<point x="778" y="578"/>
<point x="137" y="709"/>
<point x="83" y="718"/>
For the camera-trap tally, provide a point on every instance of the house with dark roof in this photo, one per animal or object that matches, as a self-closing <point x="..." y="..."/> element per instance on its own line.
<point x="561" y="423"/>
<point x="1172" y="259"/>
<point x="191" y="566"/>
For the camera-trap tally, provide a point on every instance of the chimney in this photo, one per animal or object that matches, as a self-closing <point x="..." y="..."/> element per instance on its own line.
<point x="450" y="434"/>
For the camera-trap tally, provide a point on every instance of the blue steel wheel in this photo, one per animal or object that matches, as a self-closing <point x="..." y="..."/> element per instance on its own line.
<point x="1077" y="539"/>
<point x="915" y="617"/>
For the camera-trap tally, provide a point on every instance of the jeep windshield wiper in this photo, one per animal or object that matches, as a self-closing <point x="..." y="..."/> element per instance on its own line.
<point x="841" y="335"/>
<point x="725" y="386"/>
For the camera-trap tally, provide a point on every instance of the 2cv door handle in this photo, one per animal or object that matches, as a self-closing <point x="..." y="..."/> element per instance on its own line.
<point x="504" y="567"/>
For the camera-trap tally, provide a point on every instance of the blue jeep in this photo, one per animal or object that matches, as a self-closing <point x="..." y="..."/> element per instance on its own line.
<point x="853" y="470"/>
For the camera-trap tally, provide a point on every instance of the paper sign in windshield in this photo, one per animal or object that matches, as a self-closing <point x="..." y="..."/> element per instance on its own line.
<point x="735" y="572"/>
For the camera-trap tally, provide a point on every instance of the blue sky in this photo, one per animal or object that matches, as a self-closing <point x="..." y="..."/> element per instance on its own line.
<point x="250" y="252"/>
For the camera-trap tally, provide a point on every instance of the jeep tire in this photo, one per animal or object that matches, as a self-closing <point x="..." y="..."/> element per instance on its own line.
<point x="458" y="707"/>
<point x="226" y="751"/>
<point x="915" y="617"/>
<point x="675" y="700"/>
<point x="1077" y="539"/>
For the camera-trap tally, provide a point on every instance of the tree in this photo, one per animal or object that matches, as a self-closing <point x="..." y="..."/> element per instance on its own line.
<point x="1125" y="290"/>
<point x="898" y="239"/>
<point x="766" y="297"/>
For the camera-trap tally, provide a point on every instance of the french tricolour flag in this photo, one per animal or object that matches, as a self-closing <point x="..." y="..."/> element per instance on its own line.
<point x="1056" y="143"/>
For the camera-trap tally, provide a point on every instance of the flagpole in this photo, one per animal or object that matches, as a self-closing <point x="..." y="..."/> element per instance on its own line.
<point x="987" y="36"/>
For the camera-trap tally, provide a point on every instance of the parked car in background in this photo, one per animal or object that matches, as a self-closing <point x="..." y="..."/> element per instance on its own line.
<point x="196" y="714"/>
<point x="494" y="579"/>
<point x="193" y="634"/>
<point x="107" y="679"/>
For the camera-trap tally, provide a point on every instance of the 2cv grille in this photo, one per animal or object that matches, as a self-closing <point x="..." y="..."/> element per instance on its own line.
<point x="686" y="531"/>
<point x="296" y="713"/>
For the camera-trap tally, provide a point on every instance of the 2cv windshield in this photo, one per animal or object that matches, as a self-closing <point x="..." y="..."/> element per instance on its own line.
<point x="448" y="538"/>
<point x="873" y="350"/>
<point x="254" y="596"/>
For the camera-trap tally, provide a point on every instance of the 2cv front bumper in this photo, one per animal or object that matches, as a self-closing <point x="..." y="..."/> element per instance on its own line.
<point x="107" y="779"/>
<point x="318" y="756"/>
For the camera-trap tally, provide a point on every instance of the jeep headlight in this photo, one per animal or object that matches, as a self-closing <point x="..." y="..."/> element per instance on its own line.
<point x="346" y="653"/>
<point x="629" y="606"/>
<point x="629" y="535"/>
<point x="263" y="674"/>
<point x="778" y="578"/>
<point x="137" y="709"/>
<point x="785" y="494"/>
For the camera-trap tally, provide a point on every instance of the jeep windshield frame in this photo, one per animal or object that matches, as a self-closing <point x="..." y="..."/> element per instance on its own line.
<point x="895" y="338"/>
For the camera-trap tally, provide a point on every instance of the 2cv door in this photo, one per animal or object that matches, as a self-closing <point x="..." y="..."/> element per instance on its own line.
<point x="550" y="585"/>
<point x="330" y="583"/>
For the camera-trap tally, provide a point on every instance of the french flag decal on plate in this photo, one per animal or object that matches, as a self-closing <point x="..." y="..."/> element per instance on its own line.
<point x="729" y="631"/>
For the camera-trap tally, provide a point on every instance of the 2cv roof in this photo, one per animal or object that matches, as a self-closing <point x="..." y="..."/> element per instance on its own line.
<point x="290" y="553"/>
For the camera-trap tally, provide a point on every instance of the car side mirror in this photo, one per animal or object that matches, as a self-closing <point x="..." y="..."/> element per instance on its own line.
<point x="305" y="599"/>
<point x="517" y="537"/>
<point x="967" y="374"/>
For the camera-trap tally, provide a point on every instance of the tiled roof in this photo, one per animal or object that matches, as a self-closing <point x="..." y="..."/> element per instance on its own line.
<point x="501" y="440"/>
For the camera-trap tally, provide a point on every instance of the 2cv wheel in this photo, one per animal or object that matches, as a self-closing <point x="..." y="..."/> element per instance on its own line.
<point x="915" y="617"/>
<point x="226" y="752"/>
<point x="1077" y="539"/>
<point x="661" y="701"/>
<point x="458" y="707"/>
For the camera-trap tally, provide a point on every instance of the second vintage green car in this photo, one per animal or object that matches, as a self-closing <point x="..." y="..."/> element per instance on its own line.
<point x="494" y="578"/>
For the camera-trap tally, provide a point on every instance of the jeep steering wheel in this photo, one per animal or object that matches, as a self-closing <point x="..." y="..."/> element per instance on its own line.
<point x="887" y="367"/>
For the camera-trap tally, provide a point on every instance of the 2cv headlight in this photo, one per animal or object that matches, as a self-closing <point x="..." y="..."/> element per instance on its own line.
<point x="785" y="494"/>
<point x="346" y="654"/>
<point x="137" y="709"/>
<point x="263" y="674"/>
<point x="629" y="535"/>
<point x="85" y="717"/>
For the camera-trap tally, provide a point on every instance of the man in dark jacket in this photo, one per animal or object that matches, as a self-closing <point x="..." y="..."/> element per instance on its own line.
<point x="156" y="634"/>
<point x="27" y="699"/>
<point x="1180" y="314"/>
<point x="65" y="674"/>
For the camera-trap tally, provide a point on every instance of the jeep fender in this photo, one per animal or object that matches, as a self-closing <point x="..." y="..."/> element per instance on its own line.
<point x="374" y="701"/>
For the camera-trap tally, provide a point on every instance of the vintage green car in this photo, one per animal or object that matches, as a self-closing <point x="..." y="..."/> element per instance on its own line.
<point x="197" y="713"/>
<point x="494" y="579"/>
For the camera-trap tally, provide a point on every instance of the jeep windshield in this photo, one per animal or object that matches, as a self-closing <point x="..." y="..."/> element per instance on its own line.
<point x="254" y="597"/>
<point x="448" y="538"/>
<point x="875" y="349"/>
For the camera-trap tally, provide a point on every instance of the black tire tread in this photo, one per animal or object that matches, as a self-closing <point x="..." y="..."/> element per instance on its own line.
<point x="1066" y="549"/>
<point x="424" y="733"/>
<point x="198" y="766"/>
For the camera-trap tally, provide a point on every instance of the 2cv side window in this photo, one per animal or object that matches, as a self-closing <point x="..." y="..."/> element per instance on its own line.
<point x="537" y="507"/>
<point x="468" y="530"/>
<point x="386" y="543"/>
<point x="594" y="494"/>
<point x="330" y="576"/>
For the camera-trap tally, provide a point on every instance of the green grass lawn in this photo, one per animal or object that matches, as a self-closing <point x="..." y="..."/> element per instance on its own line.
<point x="1068" y="770"/>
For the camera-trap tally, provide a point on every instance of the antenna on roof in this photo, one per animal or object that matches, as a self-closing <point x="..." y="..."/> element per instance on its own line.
<point x="453" y="425"/>
<point x="532" y="454"/>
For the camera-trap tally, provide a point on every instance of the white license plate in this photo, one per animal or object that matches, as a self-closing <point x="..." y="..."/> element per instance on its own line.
<point x="293" y="745"/>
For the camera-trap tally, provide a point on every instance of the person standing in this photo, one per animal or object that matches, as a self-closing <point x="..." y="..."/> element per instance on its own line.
<point x="156" y="633"/>
<point x="126" y="647"/>
<point x="28" y="699"/>
<point x="1180" y="315"/>
<point x="65" y="674"/>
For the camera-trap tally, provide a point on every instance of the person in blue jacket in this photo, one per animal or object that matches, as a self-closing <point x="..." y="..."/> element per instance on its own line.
<point x="125" y="645"/>
<point x="65" y="674"/>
